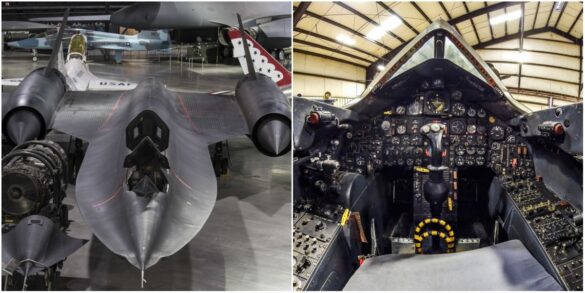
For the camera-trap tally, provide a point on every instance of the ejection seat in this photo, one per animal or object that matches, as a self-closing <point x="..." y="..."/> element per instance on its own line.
<point x="504" y="266"/>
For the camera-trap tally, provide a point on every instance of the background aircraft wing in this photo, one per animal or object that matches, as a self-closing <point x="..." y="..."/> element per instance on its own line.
<point x="12" y="81"/>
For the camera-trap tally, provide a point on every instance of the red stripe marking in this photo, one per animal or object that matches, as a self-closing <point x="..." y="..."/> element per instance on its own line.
<point x="111" y="197"/>
<point x="180" y="179"/>
<point x="114" y="108"/>
<point x="185" y="113"/>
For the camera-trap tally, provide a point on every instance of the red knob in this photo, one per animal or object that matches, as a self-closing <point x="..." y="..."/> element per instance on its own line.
<point x="558" y="129"/>
<point x="313" y="118"/>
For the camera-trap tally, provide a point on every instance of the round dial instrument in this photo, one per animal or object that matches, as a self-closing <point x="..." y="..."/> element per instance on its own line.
<point x="415" y="108"/>
<point x="471" y="112"/>
<point x="457" y="95"/>
<point x="416" y="140"/>
<point x="457" y="127"/>
<point x="385" y="125"/>
<point x="401" y="129"/>
<point x="471" y="129"/>
<point x="497" y="132"/>
<point x="481" y="113"/>
<point x="435" y="104"/>
<point x="460" y="150"/>
<point x="460" y="161"/>
<point x="458" y="109"/>
<point x="480" y="151"/>
<point x="400" y="110"/>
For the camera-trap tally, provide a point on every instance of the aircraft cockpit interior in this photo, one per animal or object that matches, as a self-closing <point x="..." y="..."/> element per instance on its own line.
<point x="437" y="179"/>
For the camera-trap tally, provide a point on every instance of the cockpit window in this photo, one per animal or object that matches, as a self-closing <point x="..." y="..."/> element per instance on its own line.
<point x="453" y="54"/>
<point x="426" y="52"/>
<point x="77" y="45"/>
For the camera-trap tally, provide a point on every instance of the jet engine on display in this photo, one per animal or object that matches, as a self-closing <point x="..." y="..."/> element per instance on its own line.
<point x="436" y="178"/>
<point x="34" y="217"/>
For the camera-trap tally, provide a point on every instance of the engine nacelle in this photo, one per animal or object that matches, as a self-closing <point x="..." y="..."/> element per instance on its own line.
<point x="30" y="110"/>
<point x="267" y="114"/>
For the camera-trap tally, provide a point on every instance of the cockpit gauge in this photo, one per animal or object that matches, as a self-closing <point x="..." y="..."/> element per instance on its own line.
<point x="481" y="140"/>
<point x="385" y="125"/>
<point x="414" y="125"/>
<point x="401" y="129"/>
<point x="416" y="140"/>
<point x="458" y="109"/>
<point x="395" y="140"/>
<point x="481" y="129"/>
<point x="471" y="129"/>
<point x="481" y="113"/>
<point x="454" y="139"/>
<point x="460" y="161"/>
<point x="400" y="110"/>
<point x="457" y="127"/>
<point x="480" y="151"/>
<point x="425" y="85"/>
<point x="470" y="150"/>
<point x="471" y="112"/>
<point x="497" y="132"/>
<point x="415" y="108"/>
<point x="457" y="95"/>
<point x="511" y="139"/>
<point x="496" y="146"/>
<point x="480" y="161"/>
<point x="436" y="104"/>
<point x="460" y="150"/>
<point x="406" y="140"/>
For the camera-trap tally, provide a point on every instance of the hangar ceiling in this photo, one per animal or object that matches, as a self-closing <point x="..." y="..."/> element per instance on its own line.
<point x="351" y="33"/>
<point x="26" y="10"/>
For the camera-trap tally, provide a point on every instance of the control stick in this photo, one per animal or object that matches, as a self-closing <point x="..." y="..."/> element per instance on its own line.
<point x="435" y="189"/>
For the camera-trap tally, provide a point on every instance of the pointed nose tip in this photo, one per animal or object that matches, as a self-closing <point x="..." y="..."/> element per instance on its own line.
<point x="23" y="126"/>
<point x="273" y="137"/>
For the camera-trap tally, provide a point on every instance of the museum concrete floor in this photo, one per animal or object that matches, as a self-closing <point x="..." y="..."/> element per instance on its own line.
<point x="245" y="243"/>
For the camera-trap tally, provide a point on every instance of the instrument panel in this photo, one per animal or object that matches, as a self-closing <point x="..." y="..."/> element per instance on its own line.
<point x="393" y="138"/>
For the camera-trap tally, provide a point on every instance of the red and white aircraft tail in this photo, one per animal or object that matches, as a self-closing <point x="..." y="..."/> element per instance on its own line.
<point x="263" y="61"/>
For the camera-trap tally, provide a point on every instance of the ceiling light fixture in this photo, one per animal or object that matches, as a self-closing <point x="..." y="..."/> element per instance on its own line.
<point x="380" y="67"/>
<point x="523" y="56"/>
<point x="505" y="17"/>
<point x="345" y="39"/>
<point x="387" y="25"/>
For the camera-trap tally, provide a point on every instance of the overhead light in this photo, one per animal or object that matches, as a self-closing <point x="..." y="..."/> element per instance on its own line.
<point x="375" y="33"/>
<point x="380" y="67"/>
<point x="559" y="5"/>
<point x="387" y="25"/>
<point x="506" y="16"/>
<point x="391" y="22"/>
<point x="345" y="39"/>
<point x="523" y="56"/>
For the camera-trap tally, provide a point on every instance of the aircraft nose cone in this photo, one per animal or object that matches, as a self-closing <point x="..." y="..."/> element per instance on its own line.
<point x="273" y="137"/>
<point x="13" y="44"/>
<point x="23" y="126"/>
